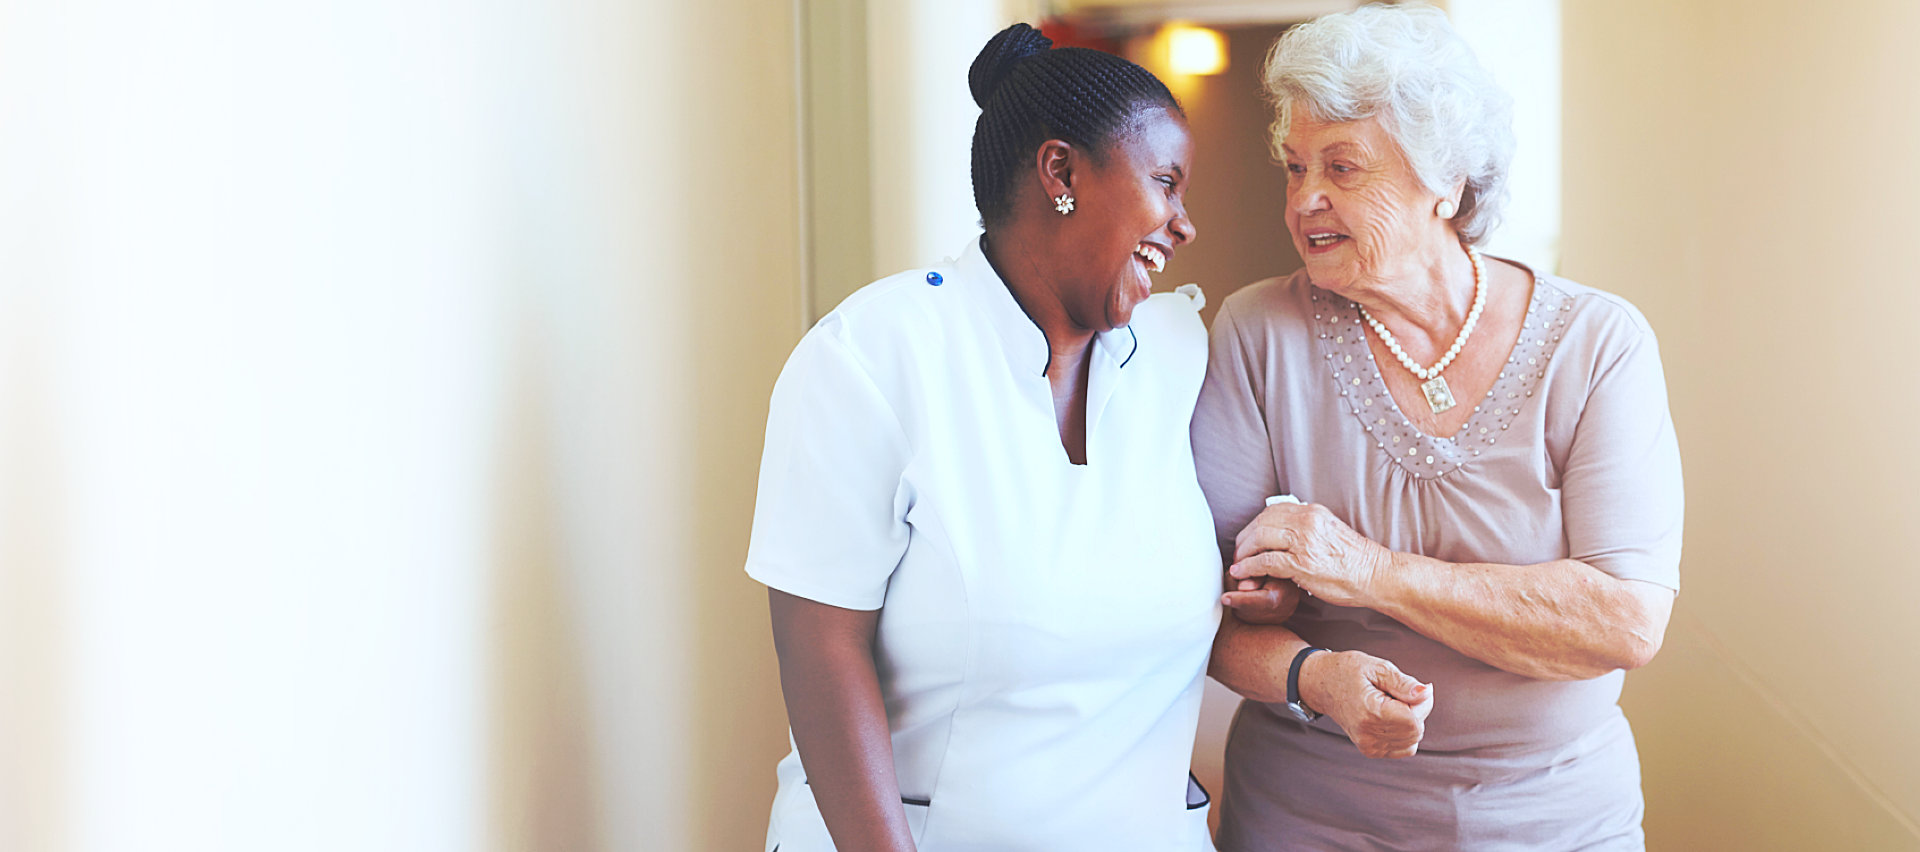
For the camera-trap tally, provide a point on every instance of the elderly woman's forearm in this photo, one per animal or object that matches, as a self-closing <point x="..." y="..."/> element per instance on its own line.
<point x="1561" y="620"/>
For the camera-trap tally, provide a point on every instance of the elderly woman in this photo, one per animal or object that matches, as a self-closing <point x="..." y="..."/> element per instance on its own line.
<point x="1490" y="484"/>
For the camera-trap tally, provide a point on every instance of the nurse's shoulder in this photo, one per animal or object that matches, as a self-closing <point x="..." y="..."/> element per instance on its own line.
<point x="1171" y="335"/>
<point x="889" y="326"/>
<point x="892" y="308"/>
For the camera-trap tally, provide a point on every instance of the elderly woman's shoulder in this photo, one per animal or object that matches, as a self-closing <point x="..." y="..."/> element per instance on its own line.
<point x="1581" y="312"/>
<point x="1281" y="299"/>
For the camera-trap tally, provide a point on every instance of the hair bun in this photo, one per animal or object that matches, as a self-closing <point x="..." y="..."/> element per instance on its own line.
<point x="997" y="59"/>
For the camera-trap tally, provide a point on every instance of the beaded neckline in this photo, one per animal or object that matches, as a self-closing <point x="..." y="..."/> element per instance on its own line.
<point x="1342" y="344"/>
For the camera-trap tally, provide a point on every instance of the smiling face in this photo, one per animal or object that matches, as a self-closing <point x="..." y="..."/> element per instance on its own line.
<point x="1130" y="215"/>
<point x="1358" y="213"/>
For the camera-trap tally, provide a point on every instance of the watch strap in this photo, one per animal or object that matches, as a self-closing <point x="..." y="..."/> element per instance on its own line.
<point x="1293" y="677"/>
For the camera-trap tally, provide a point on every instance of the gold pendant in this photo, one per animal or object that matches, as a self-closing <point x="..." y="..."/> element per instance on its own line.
<point x="1439" y="396"/>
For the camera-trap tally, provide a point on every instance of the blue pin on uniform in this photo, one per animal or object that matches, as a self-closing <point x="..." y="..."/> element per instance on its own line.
<point x="934" y="278"/>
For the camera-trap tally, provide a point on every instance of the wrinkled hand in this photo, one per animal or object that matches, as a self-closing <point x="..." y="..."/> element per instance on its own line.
<point x="1305" y="543"/>
<point x="1383" y="710"/>
<point x="1262" y="600"/>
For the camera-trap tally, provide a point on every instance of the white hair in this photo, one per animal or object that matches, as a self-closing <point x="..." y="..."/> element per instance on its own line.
<point x="1406" y="65"/>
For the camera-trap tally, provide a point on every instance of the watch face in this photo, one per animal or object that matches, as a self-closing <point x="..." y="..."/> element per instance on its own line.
<point x="1301" y="712"/>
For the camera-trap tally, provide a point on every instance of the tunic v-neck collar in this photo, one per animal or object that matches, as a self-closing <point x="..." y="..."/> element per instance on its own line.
<point x="1021" y="339"/>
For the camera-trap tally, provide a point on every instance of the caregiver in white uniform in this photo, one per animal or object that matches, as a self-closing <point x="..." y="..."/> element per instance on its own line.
<point x="993" y="575"/>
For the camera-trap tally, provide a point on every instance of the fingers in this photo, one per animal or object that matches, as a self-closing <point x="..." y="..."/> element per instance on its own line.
<point x="1395" y="712"/>
<point x="1406" y="689"/>
<point x="1265" y="538"/>
<point x="1272" y="563"/>
<point x="1272" y="529"/>
<point x="1287" y="592"/>
<point x="1256" y="611"/>
<point x="1392" y="732"/>
<point x="1270" y="601"/>
<point x="1425" y="707"/>
<point x="1254" y="601"/>
<point x="1400" y="685"/>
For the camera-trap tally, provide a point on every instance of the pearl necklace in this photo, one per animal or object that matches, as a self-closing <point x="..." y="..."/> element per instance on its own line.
<point x="1439" y="396"/>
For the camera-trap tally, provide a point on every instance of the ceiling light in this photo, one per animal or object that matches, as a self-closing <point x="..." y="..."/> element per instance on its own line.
<point x="1195" y="50"/>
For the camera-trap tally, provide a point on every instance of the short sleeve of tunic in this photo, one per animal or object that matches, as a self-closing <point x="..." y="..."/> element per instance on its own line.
<point x="830" y="524"/>
<point x="1621" y="485"/>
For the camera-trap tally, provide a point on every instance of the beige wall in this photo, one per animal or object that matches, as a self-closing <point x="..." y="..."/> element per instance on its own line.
<point x="888" y="129"/>
<point x="382" y="388"/>
<point x="1746" y="173"/>
<point x="696" y="310"/>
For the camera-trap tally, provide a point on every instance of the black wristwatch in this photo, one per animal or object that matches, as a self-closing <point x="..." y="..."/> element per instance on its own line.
<point x="1294" y="703"/>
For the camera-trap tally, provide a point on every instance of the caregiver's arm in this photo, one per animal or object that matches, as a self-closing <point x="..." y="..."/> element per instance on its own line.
<point x="839" y="720"/>
<point x="1382" y="709"/>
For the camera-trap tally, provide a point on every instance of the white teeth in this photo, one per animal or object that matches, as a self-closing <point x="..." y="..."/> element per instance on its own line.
<point x="1152" y="255"/>
<point x="1323" y="239"/>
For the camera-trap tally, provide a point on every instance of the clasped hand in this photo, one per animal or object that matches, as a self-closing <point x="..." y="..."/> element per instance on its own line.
<point x="1307" y="546"/>
<point x="1292" y="547"/>
<point x="1382" y="709"/>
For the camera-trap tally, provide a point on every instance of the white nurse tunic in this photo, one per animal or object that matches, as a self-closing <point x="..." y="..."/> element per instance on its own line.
<point x="1044" y="627"/>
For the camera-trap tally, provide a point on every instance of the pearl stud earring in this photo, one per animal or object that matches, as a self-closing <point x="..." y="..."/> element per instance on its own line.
<point x="1445" y="209"/>
<point x="1064" y="203"/>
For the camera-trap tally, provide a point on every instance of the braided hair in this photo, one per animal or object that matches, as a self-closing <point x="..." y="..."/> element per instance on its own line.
<point x="1029" y="93"/>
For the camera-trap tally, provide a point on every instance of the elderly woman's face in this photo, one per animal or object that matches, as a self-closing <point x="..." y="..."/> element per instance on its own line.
<point x="1357" y="212"/>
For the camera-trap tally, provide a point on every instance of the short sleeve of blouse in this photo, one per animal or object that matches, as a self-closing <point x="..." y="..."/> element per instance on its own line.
<point x="1621" y="490"/>
<point x="829" y="522"/>
<point x="1232" y="451"/>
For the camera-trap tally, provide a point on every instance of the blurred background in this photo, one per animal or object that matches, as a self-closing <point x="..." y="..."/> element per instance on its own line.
<point x="382" y="386"/>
